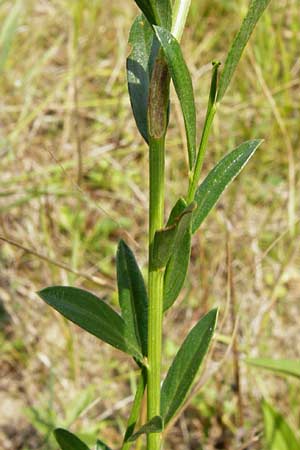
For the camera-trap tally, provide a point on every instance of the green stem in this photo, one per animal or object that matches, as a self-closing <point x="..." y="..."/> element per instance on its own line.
<point x="135" y="411"/>
<point x="180" y="12"/>
<point x="210" y="114"/>
<point x="156" y="277"/>
<point x="201" y="153"/>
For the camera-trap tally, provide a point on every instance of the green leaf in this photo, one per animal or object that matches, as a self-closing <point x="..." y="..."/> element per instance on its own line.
<point x="183" y="86"/>
<point x="256" y="9"/>
<point x="68" y="441"/>
<point x="158" y="12"/>
<point x="101" y="446"/>
<point x="91" y="314"/>
<point x="136" y="407"/>
<point x="278" y="434"/>
<point x="178" y="262"/>
<point x="164" y="240"/>
<point x="210" y="190"/>
<point x="279" y="366"/>
<point x="186" y="365"/>
<point x="132" y="297"/>
<point x="139" y="68"/>
<point x="155" y="425"/>
<point x="176" y="211"/>
<point x="162" y="246"/>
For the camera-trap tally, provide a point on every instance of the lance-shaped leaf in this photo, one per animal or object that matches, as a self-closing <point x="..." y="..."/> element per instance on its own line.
<point x="132" y="297"/>
<point x="164" y="239"/>
<point x="210" y="190"/>
<point x="183" y="86"/>
<point x="68" y="441"/>
<point x="255" y="11"/>
<point x="178" y="262"/>
<point x="186" y="365"/>
<point x="155" y="425"/>
<point x="144" y="47"/>
<point x="158" y="12"/>
<point x="92" y="314"/>
<point x="278" y="433"/>
<point x="278" y="366"/>
<point x="101" y="446"/>
<point x="136" y="407"/>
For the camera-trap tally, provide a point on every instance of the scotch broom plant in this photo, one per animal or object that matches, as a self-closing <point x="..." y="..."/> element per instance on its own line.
<point x="155" y="60"/>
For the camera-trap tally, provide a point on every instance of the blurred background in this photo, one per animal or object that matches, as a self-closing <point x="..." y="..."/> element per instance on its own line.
<point x="74" y="180"/>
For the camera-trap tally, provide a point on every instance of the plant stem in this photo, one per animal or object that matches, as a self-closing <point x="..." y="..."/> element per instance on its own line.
<point x="156" y="277"/>
<point x="180" y="12"/>
<point x="157" y="126"/>
<point x="201" y="153"/>
<point x="210" y="114"/>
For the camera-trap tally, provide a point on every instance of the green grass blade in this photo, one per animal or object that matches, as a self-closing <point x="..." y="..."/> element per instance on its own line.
<point x="90" y="313"/>
<point x="155" y="425"/>
<point x="210" y="190"/>
<point x="256" y="9"/>
<point x="278" y="434"/>
<point x="178" y="263"/>
<point x="8" y="32"/>
<point x="183" y="86"/>
<point x="132" y="297"/>
<point x="186" y="365"/>
<point x="279" y="366"/>
<point x="157" y="12"/>
<point x="68" y="441"/>
<point x="144" y="47"/>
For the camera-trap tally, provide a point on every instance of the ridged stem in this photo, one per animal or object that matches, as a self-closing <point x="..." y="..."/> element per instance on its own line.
<point x="155" y="288"/>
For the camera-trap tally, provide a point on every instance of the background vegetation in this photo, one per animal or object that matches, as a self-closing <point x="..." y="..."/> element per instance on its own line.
<point x="73" y="181"/>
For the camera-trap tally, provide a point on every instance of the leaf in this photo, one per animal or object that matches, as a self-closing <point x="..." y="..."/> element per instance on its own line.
<point x="164" y="240"/>
<point x="183" y="86"/>
<point x="279" y="366"/>
<point x="68" y="441"/>
<point x="177" y="209"/>
<point x="155" y="425"/>
<point x="278" y="434"/>
<point x="136" y="407"/>
<point x="210" y="190"/>
<point x="186" y="365"/>
<point x="91" y="314"/>
<point x="256" y="9"/>
<point x="178" y="263"/>
<point x="101" y="446"/>
<point x="132" y="297"/>
<point x="139" y="68"/>
<point x="158" y="12"/>
<point x="162" y="246"/>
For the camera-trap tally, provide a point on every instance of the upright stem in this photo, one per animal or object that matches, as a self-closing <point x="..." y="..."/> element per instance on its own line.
<point x="201" y="153"/>
<point x="180" y="12"/>
<point x="156" y="278"/>
<point x="210" y="114"/>
<point x="157" y="125"/>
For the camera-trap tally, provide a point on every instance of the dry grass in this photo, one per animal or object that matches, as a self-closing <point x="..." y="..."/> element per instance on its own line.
<point x="62" y="96"/>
